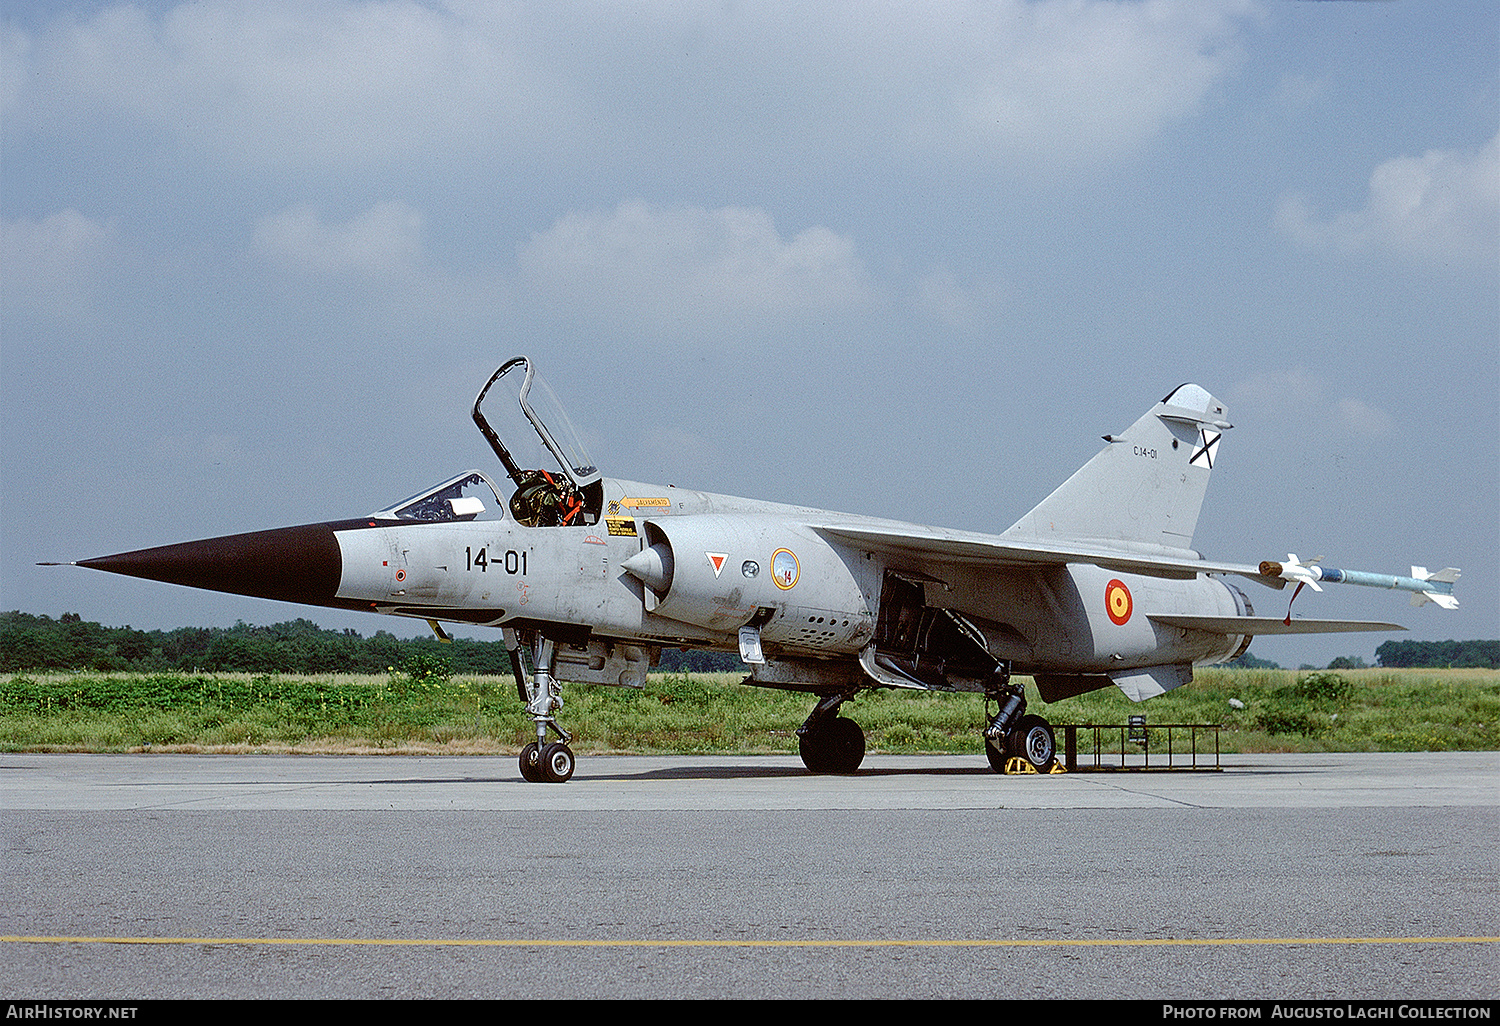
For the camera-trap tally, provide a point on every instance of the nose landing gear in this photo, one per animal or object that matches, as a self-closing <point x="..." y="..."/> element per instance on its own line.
<point x="540" y="761"/>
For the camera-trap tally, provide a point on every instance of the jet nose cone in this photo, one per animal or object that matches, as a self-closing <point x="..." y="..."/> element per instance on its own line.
<point x="291" y="564"/>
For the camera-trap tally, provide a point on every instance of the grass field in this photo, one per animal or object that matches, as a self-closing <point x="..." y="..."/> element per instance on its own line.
<point x="1370" y="710"/>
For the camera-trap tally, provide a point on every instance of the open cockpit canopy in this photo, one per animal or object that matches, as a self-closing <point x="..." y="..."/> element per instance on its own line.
<point x="556" y="481"/>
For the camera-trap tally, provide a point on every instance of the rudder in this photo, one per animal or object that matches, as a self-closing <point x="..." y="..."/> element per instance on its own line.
<point x="1144" y="490"/>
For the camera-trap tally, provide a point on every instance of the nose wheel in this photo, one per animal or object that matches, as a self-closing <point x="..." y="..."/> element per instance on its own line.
<point x="542" y="762"/>
<point x="547" y="764"/>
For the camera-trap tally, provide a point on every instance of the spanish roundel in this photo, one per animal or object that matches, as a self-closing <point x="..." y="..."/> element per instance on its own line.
<point x="1117" y="602"/>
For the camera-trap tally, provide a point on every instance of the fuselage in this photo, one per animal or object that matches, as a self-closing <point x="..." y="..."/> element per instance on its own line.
<point x="812" y="596"/>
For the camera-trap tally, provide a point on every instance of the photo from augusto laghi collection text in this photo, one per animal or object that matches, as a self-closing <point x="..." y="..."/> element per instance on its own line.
<point x="1358" y="1010"/>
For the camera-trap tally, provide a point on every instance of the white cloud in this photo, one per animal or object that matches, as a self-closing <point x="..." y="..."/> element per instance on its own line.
<point x="15" y="58"/>
<point x="54" y="264"/>
<point x="965" y="306"/>
<point x="1442" y="207"/>
<point x="1360" y="418"/>
<point x="272" y="83"/>
<point x="376" y="268"/>
<point x="384" y="241"/>
<point x="1301" y="398"/>
<point x="686" y="264"/>
<point x="341" y="84"/>
<point x="1088" y="79"/>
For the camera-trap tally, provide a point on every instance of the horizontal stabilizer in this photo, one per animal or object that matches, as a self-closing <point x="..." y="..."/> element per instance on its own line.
<point x="1261" y="625"/>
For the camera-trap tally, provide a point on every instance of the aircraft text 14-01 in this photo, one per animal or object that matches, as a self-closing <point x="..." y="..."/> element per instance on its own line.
<point x="514" y="561"/>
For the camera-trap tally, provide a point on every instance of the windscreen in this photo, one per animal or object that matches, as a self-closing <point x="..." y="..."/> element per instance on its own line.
<point x="469" y="496"/>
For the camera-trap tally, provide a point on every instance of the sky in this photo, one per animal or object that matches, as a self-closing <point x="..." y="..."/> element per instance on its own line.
<point x="903" y="259"/>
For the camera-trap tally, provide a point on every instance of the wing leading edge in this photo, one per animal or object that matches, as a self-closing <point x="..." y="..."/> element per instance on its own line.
<point x="978" y="551"/>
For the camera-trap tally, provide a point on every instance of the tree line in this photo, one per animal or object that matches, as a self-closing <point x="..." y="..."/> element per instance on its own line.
<point x="1463" y="654"/>
<point x="31" y="642"/>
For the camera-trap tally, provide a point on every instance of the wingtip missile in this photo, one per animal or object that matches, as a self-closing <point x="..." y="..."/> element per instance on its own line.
<point x="1425" y="587"/>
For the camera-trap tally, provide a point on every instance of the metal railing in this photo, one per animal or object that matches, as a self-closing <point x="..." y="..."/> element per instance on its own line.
<point x="1141" y="746"/>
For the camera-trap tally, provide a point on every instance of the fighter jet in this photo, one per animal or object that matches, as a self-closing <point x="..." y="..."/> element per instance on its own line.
<point x="589" y="578"/>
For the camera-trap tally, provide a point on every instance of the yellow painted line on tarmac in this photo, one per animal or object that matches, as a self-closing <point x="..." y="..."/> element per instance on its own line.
<point x="544" y="942"/>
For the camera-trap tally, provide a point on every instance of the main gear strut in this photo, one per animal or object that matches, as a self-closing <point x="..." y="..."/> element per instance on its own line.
<point x="1010" y="733"/>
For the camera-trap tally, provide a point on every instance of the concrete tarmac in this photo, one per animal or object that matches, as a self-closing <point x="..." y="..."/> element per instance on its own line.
<point x="1308" y="877"/>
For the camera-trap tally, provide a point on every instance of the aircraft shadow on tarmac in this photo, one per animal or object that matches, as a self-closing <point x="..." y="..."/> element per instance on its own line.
<point x="751" y="771"/>
<point x="744" y="771"/>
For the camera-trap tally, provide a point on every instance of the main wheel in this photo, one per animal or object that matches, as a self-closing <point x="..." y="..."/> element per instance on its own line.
<point x="557" y="763"/>
<point x="1033" y="741"/>
<point x="531" y="763"/>
<point x="836" y="746"/>
<point x="996" y="756"/>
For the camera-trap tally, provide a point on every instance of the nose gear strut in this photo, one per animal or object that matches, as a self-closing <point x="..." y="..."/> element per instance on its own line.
<point x="540" y="761"/>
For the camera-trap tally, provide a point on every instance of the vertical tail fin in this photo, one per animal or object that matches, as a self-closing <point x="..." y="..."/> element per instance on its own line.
<point x="1145" y="488"/>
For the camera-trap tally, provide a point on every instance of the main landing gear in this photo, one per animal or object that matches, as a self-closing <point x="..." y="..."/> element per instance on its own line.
<point x="1010" y="732"/>
<point x="541" y="761"/>
<point x="829" y="743"/>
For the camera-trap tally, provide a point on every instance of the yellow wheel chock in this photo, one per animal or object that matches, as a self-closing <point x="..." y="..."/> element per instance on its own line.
<point x="1017" y="765"/>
